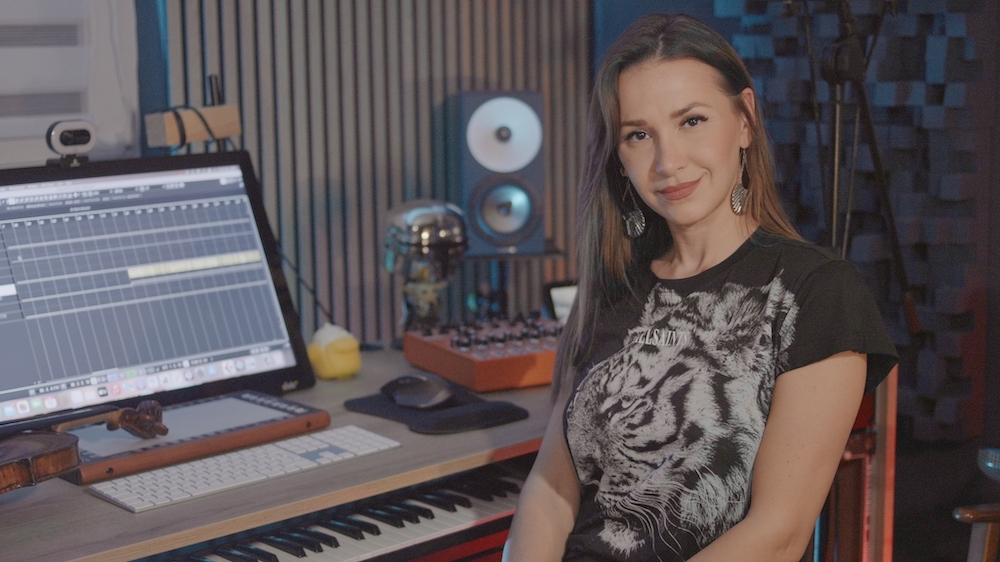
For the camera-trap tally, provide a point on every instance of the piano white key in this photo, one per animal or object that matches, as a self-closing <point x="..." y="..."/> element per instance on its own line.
<point x="447" y="519"/>
<point x="446" y="522"/>
<point x="393" y="538"/>
<point x="348" y="551"/>
<point x="481" y="511"/>
<point x="441" y="522"/>
<point x="286" y="557"/>
<point x="214" y="558"/>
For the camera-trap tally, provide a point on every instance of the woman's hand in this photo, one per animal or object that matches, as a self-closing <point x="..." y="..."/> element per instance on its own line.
<point x="549" y="500"/>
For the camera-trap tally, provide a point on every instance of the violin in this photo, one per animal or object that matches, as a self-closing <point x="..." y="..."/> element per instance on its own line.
<point x="34" y="456"/>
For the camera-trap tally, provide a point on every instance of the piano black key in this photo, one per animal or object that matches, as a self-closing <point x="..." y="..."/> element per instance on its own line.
<point x="470" y="490"/>
<point x="328" y="540"/>
<point x="349" y="531"/>
<point x="234" y="555"/>
<point x="492" y="471"/>
<point x="453" y="498"/>
<point x="435" y="501"/>
<point x="405" y="514"/>
<point x="507" y="485"/>
<point x="365" y="526"/>
<point x="281" y="544"/>
<point x="419" y="510"/>
<point x="383" y="516"/>
<point x="495" y="483"/>
<point x="301" y="540"/>
<point x="257" y="553"/>
<point x="498" y="486"/>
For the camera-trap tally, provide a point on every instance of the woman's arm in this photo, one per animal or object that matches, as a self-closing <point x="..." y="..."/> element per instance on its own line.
<point x="549" y="500"/>
<point x="812" y="412"/>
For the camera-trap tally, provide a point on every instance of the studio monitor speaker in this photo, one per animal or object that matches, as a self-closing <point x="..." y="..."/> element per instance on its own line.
<point x="500" y="172"/>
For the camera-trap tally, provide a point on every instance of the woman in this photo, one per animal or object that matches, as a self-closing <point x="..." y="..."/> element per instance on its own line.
<point x="710" y="351"/>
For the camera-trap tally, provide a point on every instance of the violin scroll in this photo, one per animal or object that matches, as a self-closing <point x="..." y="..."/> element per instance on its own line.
<point x="145" y="420"/>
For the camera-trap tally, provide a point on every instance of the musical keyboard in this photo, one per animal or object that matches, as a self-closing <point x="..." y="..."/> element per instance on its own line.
<point x="402" y="525"/>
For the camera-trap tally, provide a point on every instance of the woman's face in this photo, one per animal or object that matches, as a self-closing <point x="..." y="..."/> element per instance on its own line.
<point x="680" y="140"/>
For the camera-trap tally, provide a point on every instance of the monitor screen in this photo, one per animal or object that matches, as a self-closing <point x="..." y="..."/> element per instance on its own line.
<point x="558" y="299"/>
<point x="133" y="279"/>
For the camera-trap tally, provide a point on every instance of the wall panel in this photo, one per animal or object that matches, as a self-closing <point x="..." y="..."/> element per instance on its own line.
<point x="344" y="110"/>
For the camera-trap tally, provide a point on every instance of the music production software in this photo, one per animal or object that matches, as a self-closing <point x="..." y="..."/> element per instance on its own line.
<point x="124" y="286"/>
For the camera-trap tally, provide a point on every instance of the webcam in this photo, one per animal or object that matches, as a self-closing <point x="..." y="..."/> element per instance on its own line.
<point x="71" y="138"/>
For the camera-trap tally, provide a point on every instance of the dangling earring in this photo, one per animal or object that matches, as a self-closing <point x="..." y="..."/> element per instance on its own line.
<point x="635" y="221"/>
<point x="739" y="190"/>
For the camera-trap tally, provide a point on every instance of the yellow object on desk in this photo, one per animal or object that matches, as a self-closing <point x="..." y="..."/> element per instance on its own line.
<point x="334" y="353"/>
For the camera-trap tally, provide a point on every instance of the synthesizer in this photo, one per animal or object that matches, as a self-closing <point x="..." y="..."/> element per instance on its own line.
<point x="490" y="355"/>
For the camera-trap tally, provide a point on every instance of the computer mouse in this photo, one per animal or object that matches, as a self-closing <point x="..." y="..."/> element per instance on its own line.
<point x="418" y="390"/>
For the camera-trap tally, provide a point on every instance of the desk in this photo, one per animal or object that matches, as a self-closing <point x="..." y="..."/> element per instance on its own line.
<point x="57" y="521"/>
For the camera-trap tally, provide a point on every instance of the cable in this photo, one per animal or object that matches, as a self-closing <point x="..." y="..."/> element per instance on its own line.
<point x="309" y="289"/>
<point x="208" y="129"/>
<point x="181" y="133"/>
<point x="887" y="6"/>
<point x="851" y="184"/>
<point x="211" y="134"/>
<point x="220" y="144"/>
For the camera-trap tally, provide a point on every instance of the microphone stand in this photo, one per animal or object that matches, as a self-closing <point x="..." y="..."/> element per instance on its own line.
<point x="847" y="65"/>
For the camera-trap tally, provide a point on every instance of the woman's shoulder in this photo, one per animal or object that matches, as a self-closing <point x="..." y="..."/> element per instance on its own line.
<point x="792" y="248"/>
<point x="800" y="258"/>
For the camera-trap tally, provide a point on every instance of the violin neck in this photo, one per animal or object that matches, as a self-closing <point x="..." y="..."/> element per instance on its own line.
<point x="113" y="416"/>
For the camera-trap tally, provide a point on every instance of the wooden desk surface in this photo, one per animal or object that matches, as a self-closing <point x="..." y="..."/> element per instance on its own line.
<point x="58" y="521"/>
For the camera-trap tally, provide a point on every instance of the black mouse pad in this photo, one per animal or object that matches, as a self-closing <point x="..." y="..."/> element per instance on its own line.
<point x="462" y="412"/>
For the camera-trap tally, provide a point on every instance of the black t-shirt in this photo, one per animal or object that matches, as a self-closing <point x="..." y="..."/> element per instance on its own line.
<point x="665" y="424"/>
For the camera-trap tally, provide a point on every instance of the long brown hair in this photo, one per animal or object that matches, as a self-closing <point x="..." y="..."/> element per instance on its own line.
<point x="607" y="259"/>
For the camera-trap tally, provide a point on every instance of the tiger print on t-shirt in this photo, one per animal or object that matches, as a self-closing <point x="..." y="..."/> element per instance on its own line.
<point x="668" y="427"/>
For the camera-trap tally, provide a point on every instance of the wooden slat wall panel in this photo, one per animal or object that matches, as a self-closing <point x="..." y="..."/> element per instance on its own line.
<point x="332" y="292"/>
<point x="344" y="110"/>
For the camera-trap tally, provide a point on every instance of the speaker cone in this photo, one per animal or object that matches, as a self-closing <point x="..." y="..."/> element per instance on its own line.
<point x="505" y="208"/>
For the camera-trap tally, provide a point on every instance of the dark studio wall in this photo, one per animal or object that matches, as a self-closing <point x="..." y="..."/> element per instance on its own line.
<point x="611" y="18"/>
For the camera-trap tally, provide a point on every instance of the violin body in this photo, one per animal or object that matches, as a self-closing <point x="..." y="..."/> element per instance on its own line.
<point x="29" y="458"/>
<point x="35" y="456"/>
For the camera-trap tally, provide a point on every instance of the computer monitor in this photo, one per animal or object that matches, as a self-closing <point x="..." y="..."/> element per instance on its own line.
<point x="135" y="279"/>
<point x="558" y="299"/>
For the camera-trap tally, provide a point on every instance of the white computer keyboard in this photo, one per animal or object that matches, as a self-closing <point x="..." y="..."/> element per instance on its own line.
<point x="193" y="479"/>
